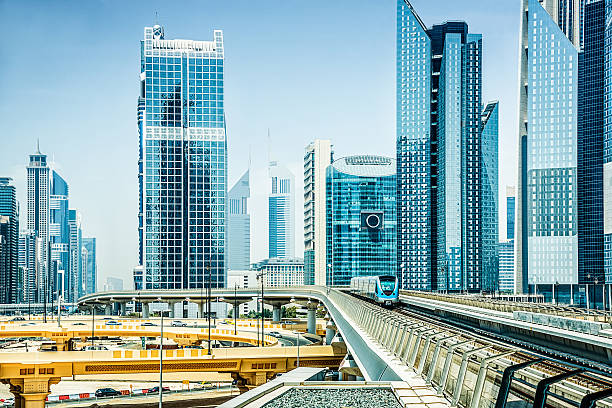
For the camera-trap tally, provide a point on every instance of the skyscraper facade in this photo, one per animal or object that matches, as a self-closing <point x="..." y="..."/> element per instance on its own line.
<point x="361" y="218"/>
<point x="607" y="151"/>
<point x="317" y="158"/>
<point x="281" y="212"/>
<point x="27" y="264"/>
<point x="281" y="272"/>
<point x="510" y="211"/>
<point x="76" y="243"/>
<point x="547" y="230"/>
<point x="38" y="174"/>
<point x="89" y="264"/>
<point x="239" y="224"/>
<point x="590" y="144"/>
<point x="183" y="162"/>
<point x="59" y="237"/>
<point x="446" y="158"/>
<point x="9" y="243"/>
<point x="506" y="266"/>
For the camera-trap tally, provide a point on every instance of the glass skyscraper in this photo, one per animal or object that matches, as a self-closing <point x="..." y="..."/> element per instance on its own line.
<point x="446" y="159"/>
<point x="89" y="265"/>
<point x="510" y="212"/>
<point x="76" y="244"/>
<point x="239" y="224"/>
<point x="27" y="263"/>
<point x="361" y="218"/>
<point x="9" y="243"/>
<point x="607" y="152"/>
<point x="281" y="212"/>
<point x="59" y="236"/>
<point x="183" y="162"/>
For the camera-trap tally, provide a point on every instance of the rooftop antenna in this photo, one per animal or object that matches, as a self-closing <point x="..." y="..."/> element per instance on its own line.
<point x="156" y="18"/>
<point x="269" y="147"/>
<point x="38" y="145"/>
<point x="250" y="148"/>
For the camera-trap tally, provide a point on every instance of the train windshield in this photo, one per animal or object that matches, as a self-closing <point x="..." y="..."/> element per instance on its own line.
<point x="387" y="284"/>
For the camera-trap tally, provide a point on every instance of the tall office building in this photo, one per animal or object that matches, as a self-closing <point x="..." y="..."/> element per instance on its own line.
<point x="317" y="158"/>
<point x="89" y="265"/>
<point x="361" y="218"/>
<point x="446" y="158"/>
<point x="281" y="272"/>
<point x="561" y="150"/>
<point x="607" y="152"/>
<point x="506" y="266"/>
<point x="183" y="162"/>
<point x="239" y="225"/>
<point x="27" y="263"/>
<point x="38" y="173"/>
<point x="76" y="243"/>
<point x="59" y="237"/>
<point x="281" y="212"/>
<point x="9" y="243"/>
<point x="113" y="284"/>
<point x="590" y="144"/>
<point x="510" y="211"/>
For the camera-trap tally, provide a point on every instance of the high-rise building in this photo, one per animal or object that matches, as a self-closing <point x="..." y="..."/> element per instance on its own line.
<point x="361" y="218"/>
<point x="446" y="159"/>
<point x="27" y="264"/>
<point x="38" y="173"/>
<point x="607" y="151"/>
<point x="506" y="266"/>
<point x="76" y="243"/>
<point x="510" y="211"/>
<point x="281" y="272"/>
<point x="59" y="237"/>
<point x="183" y="162"/>
<point x="89" y="265"/>
<point x="560" y="221"/>
<point x="239" y="225"/>
<point x="317" y="158"/>
<point x="10" y="292"/>
<point x="113" y="284"/>
<point x="281" y="212"/>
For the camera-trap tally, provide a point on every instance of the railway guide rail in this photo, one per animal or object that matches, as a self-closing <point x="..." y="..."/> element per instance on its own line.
<point x="475" y="370"/>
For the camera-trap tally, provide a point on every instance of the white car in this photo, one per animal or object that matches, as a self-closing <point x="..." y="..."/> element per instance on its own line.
<point x="178" y="323"/>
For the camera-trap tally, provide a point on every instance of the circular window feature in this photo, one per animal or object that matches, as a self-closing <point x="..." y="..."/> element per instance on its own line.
<point x="373" y="221"/>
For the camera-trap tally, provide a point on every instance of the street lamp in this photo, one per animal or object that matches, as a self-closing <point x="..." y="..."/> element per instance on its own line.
<point x="298" y="347"/>
<point x="59" y="297"/>
<point x="161" y="359"/>
<point x="331" y="274"/>
<point x="235" y="309"/>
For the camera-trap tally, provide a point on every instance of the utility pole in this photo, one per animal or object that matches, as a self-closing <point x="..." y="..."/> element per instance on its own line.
<point x="235" y="309"/>
<point x="161" y="359"/>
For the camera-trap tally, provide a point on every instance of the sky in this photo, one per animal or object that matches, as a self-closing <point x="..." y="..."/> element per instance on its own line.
<point x="69" y="77"/>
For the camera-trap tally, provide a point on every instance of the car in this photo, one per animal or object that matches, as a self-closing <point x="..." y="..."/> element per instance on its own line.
<point x="148" y="324"/>
<point x="18" y="319"/>
<point x="155" y="390"/>
<point x="113" y="323"/>
<point x="276" y="334"/>
<point x="178" y="323"/>
<point x="107" y="318"/>
<point x="79" y="324"/>
<point x="107" y="392"/>
<point x="95" y="348"/>
<point x="29" y="324"/>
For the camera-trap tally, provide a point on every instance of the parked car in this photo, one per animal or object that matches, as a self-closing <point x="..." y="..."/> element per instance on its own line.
<point x="18" y="319"/>
<point x="95" y="348"/>
<point x="113" y="323"/>
<point x="155" y="390"/>
<point x="148" y="324"/>
<point x="178" y="323"/>
<point x="79" y="324"/>
<point x="29" y="324"/>
<point x="276" y="334"/>
<point x="107" y="392"/>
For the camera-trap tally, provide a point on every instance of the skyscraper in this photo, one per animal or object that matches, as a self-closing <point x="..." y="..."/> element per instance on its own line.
<point x="239" y="224"/>
<point x="59" y="237"/>
<point x="27" y="263"/>
<point x="38" y="221"/>
<point x="89" y="265"/>
<point x="607" y="152"/>
<point x="510" y="211"/>
<point x="561" y="150"/>
<point x="317" y="158"/>
<point x="446" y="158"/>
<point x="281" y="212"/>
<point x="183" y="162"/>
<point x="76" y="243"/>
<point x="9" y="243"/>
<point x="590" y="144"/>
<point x="361" y="218"/>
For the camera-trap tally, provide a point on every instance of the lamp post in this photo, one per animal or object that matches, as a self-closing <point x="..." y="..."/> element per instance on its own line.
<point x="331" y="274"/>
<point x="93" y="322"/>
<point x="588" y="306"/>
<point x="263" y="310"/>
<point x="161" y="359"/>
<point x="298" y="347"/>
<point x="60" y="291"/>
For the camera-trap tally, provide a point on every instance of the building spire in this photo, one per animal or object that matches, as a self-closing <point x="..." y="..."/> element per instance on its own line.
<point x="37" y="145"/>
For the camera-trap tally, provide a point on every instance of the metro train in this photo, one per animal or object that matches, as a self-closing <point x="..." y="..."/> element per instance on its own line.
<point x="381" y="289"/>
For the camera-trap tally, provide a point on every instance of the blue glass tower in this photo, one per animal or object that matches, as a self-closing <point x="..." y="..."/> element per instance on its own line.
<point x="607" y="153"/>
<point x="183" y="162"/>
<point x="281" y="212"/>
<point x="239" y="224"/>
<point x="443" y="158"/>
<point x="59" y="237"/>
<point x="9" y="243"/>
<point x="361" y="218"/>
<point x="90" y="266"/>
<point x="590" y="145"/>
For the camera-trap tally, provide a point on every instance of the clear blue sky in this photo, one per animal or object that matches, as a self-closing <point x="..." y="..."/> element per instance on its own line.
<point x="317" y="69"/>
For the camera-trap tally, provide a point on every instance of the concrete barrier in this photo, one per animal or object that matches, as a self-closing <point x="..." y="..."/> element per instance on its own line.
<point x="578" y="325"/>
